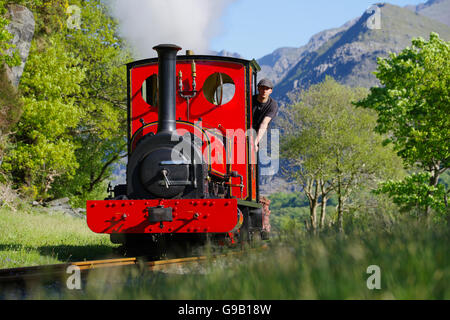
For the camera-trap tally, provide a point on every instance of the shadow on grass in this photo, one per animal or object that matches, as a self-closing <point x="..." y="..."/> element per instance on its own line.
<point x="67" y="253"/>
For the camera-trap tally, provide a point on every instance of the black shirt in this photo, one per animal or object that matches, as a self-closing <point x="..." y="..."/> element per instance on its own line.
<point x="262" y="110"/>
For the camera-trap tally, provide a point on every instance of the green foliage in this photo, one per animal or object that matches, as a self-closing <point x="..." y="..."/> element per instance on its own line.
<point x="415" y="192"/>
<point x="413" y="107"/>
<point x="332" y="144"/>
<point x="103" y="97"/>
<point x="414" y="102"/>
<point x="74" y="93"/>
<point x="7" y="53"/>
<point x="44" y="146"/>
<point x="290" y="212"/>
<point x="97" y="193"/>
<point x="283" y="200"/>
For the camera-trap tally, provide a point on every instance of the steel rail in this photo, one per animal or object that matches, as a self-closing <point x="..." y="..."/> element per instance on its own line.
<point x="55" y="270"/>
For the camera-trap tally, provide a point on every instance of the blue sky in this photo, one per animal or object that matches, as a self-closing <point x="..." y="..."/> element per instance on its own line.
<point x="254" y="28"/>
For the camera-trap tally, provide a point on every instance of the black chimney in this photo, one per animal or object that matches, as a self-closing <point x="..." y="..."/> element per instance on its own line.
<point x="167" y="57"/>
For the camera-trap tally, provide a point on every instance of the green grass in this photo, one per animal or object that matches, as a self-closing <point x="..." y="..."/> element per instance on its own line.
<point x="33" y="236"/>
<point x="413" y="260"/>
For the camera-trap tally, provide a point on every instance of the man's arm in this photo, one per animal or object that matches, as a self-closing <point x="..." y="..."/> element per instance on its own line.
<point x="262" y="130"/>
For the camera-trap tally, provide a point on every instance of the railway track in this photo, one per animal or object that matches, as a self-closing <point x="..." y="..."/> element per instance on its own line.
<point x="56" y="271"/>
<point x="24" y="282"/>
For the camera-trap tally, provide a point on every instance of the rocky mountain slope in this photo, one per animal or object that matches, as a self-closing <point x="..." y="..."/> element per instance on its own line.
<point x="350" y="55"/>
<point x="278" y="63"/>
<point x="435" y="9"/>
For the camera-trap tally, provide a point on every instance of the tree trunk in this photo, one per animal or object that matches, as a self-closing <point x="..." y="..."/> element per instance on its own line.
<point x="312" y="192"/>
<point x="323" y="211"/>
<point x="435" y="173"/>
<point x="340" y="216"/>
<point x="340" y="222"/>
<point x="313" y="216"/>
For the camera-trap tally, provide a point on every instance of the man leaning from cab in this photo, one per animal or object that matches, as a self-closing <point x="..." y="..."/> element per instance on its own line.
<point x="264" y="109"/>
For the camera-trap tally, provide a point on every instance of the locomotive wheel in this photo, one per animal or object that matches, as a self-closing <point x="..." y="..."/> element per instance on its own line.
<point x="244" y="231"/>
<point x="251" y="231"/>
<point x="156" y="247"/>
<point x="256" y="238"/>
<point x="135" y="245"/>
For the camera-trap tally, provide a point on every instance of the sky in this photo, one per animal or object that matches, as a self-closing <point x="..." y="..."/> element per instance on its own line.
<point x="255" y="28"/>
<point x="252" y="28"/>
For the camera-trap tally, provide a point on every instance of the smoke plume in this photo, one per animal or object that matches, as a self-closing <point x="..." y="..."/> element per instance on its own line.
<point x="190" y="24"/>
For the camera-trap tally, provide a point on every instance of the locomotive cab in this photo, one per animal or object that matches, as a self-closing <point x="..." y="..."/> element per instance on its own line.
<point x="192" y="167"/>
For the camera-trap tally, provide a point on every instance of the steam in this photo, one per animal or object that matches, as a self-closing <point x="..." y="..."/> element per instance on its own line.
<point x="190" y="24"/>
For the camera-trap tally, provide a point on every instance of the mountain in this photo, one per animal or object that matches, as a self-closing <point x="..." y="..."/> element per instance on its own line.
<point x="278" y="63"/>
<point x="225" y="53"/>
<point x="275" y="65"/>
<point x="349" y="55"/>
<point x="435" y="9"/>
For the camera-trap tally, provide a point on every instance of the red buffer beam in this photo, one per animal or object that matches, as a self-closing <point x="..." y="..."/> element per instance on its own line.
<point x="163" y="216"/>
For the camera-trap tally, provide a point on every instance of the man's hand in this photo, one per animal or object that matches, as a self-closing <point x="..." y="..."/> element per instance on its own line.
<point x="262" y="131"/>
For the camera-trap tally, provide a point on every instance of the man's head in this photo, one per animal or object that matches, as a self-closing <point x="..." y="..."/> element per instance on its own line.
<point x="265" y="88"/>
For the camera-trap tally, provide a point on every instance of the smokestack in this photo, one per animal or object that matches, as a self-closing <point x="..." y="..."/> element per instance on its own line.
<point x="167" y="58"/>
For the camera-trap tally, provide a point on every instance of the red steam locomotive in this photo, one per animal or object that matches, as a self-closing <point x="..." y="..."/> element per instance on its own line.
<point x="192" y="169"/>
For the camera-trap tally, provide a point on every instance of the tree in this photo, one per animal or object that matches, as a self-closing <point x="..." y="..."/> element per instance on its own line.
<point x="43" y="146"/>
<point x="103" y="98"/>
<point x="415" y="192"/>
<point x="333" y="146"/>
<point x="413" y="105"/>
<point x="74" y="93"/>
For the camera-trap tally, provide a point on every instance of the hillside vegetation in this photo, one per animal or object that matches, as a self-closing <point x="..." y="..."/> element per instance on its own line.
<point x="72" y="98"/>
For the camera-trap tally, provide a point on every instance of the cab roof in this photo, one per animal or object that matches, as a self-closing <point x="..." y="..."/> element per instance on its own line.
<point x="253" y="63"/>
